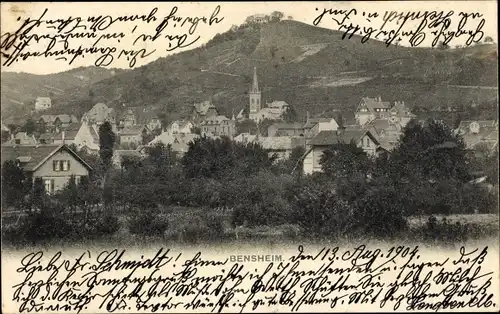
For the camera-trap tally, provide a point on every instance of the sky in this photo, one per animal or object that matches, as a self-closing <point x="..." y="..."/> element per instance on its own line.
<point x="233" y="13"/>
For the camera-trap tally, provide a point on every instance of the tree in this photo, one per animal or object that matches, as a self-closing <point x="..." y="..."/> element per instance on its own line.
<point x="432" y="151"/>
<point x="246" y="126"/>
<point x="107" y="140"/>
<point x="196" y="130"/>
<point x="344" y="159"/>
<point x="5" y="136"/>
<point x="488" y="39"/>
<point x="443" y="46"/>
<point x="264" y="125"/>
<point x="13" y="184"/>
<point x="38" y="193"/>
<point x="295" y="161"/>
<point x="290" y="115"/>
<point x="221" y="157"/>
<point x="161" y="155"/>
<point x="276" y="16"/>
<point x="29" y="127"/>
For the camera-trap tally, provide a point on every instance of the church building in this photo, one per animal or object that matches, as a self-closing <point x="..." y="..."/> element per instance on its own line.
<point x="273" y="110"/>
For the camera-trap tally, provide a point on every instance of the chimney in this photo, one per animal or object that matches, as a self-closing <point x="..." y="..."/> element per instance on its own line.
<point x="63" y="135"/>
<point x="307" y="116"/>
<point x="379" y="98"/>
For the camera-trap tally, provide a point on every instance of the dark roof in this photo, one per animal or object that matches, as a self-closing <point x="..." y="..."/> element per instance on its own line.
<point x="133" y="130"/>
<point x="313" y="121"/>
<point x="288" y="126"/>
<point x="325" y="138"/>
<point x="373" y="103"/>
<point x="68" y="135"/>
<point x="142" y="114"/>
<point x="482" y="124"/>
<point x="34" y="156"/>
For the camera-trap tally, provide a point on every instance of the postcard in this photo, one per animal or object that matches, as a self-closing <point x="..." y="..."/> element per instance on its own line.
<point x="234" y="157"/>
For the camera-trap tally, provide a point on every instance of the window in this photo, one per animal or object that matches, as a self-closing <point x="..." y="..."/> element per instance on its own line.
<point x="56" y="165"/>
<point x="367" y="142"/>
<point x="61" y="165"/>
<point x="18" y="141"/>
<point x="253" y="101"/>
<point x="49" y="185"/>
<point x="77" y="180"/>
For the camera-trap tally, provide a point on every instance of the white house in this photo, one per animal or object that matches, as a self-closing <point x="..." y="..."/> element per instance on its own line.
<point x="43" y="103"/>
<point x="180" y="127"/>
<point x="325" y="139"/>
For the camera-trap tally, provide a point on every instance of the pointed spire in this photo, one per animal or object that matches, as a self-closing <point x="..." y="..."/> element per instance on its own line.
<point x="255" y="84"/>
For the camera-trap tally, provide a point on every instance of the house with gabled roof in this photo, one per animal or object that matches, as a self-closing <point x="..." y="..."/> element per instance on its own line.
<point x="22" y="138"/>
<point x="87" y="138"/>
<point x="387" y="132"/>
<point x="99" y="114"/>
<point x="479" y="133"/>
<point x="133" y="136"/>
<point x="54" y="164"/>
<point x="203" y="110"/>
<point x="286" y="129"/>
<point x="140" y="115"/>
<point x="325" y="139"/>
<point x="372" y="108"/>
<point x="315" y="125"/>
<point x="280" y="146"/>
<point x="180" y="126"/>
<point x="219" y="126"/>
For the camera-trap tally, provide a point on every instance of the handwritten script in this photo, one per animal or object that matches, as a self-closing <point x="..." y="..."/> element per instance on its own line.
<point x="77" y="37"/>
<point x="415" y="27"/>
<point x="395" y="278"/>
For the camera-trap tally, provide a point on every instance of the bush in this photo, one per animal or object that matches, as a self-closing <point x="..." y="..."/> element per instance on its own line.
<point x="207" y="226"/>
<point x="147" y="223"/>
<point x="47" y="225"/>
<point x="320" y="210"/>
<point x="380" y="212"/>
<point x="259" y="199"/>
<point x="103" y="224"/>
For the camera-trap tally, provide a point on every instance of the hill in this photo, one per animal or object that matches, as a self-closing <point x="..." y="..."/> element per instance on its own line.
<point x="309" y="67"/>
<point x="19" y="90"/>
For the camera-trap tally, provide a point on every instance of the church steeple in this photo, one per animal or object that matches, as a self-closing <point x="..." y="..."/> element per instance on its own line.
<point x="255" y="83"/>
<point x="255" y="94"/>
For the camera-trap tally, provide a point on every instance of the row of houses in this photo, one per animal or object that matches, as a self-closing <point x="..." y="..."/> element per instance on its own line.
<point x="56" y="162"/>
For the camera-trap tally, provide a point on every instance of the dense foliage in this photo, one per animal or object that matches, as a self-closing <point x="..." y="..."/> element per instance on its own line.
<point x="239" y="185"/>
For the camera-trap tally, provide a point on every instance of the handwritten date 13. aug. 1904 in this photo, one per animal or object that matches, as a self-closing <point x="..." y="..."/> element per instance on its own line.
<point x="394" y="278"/>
